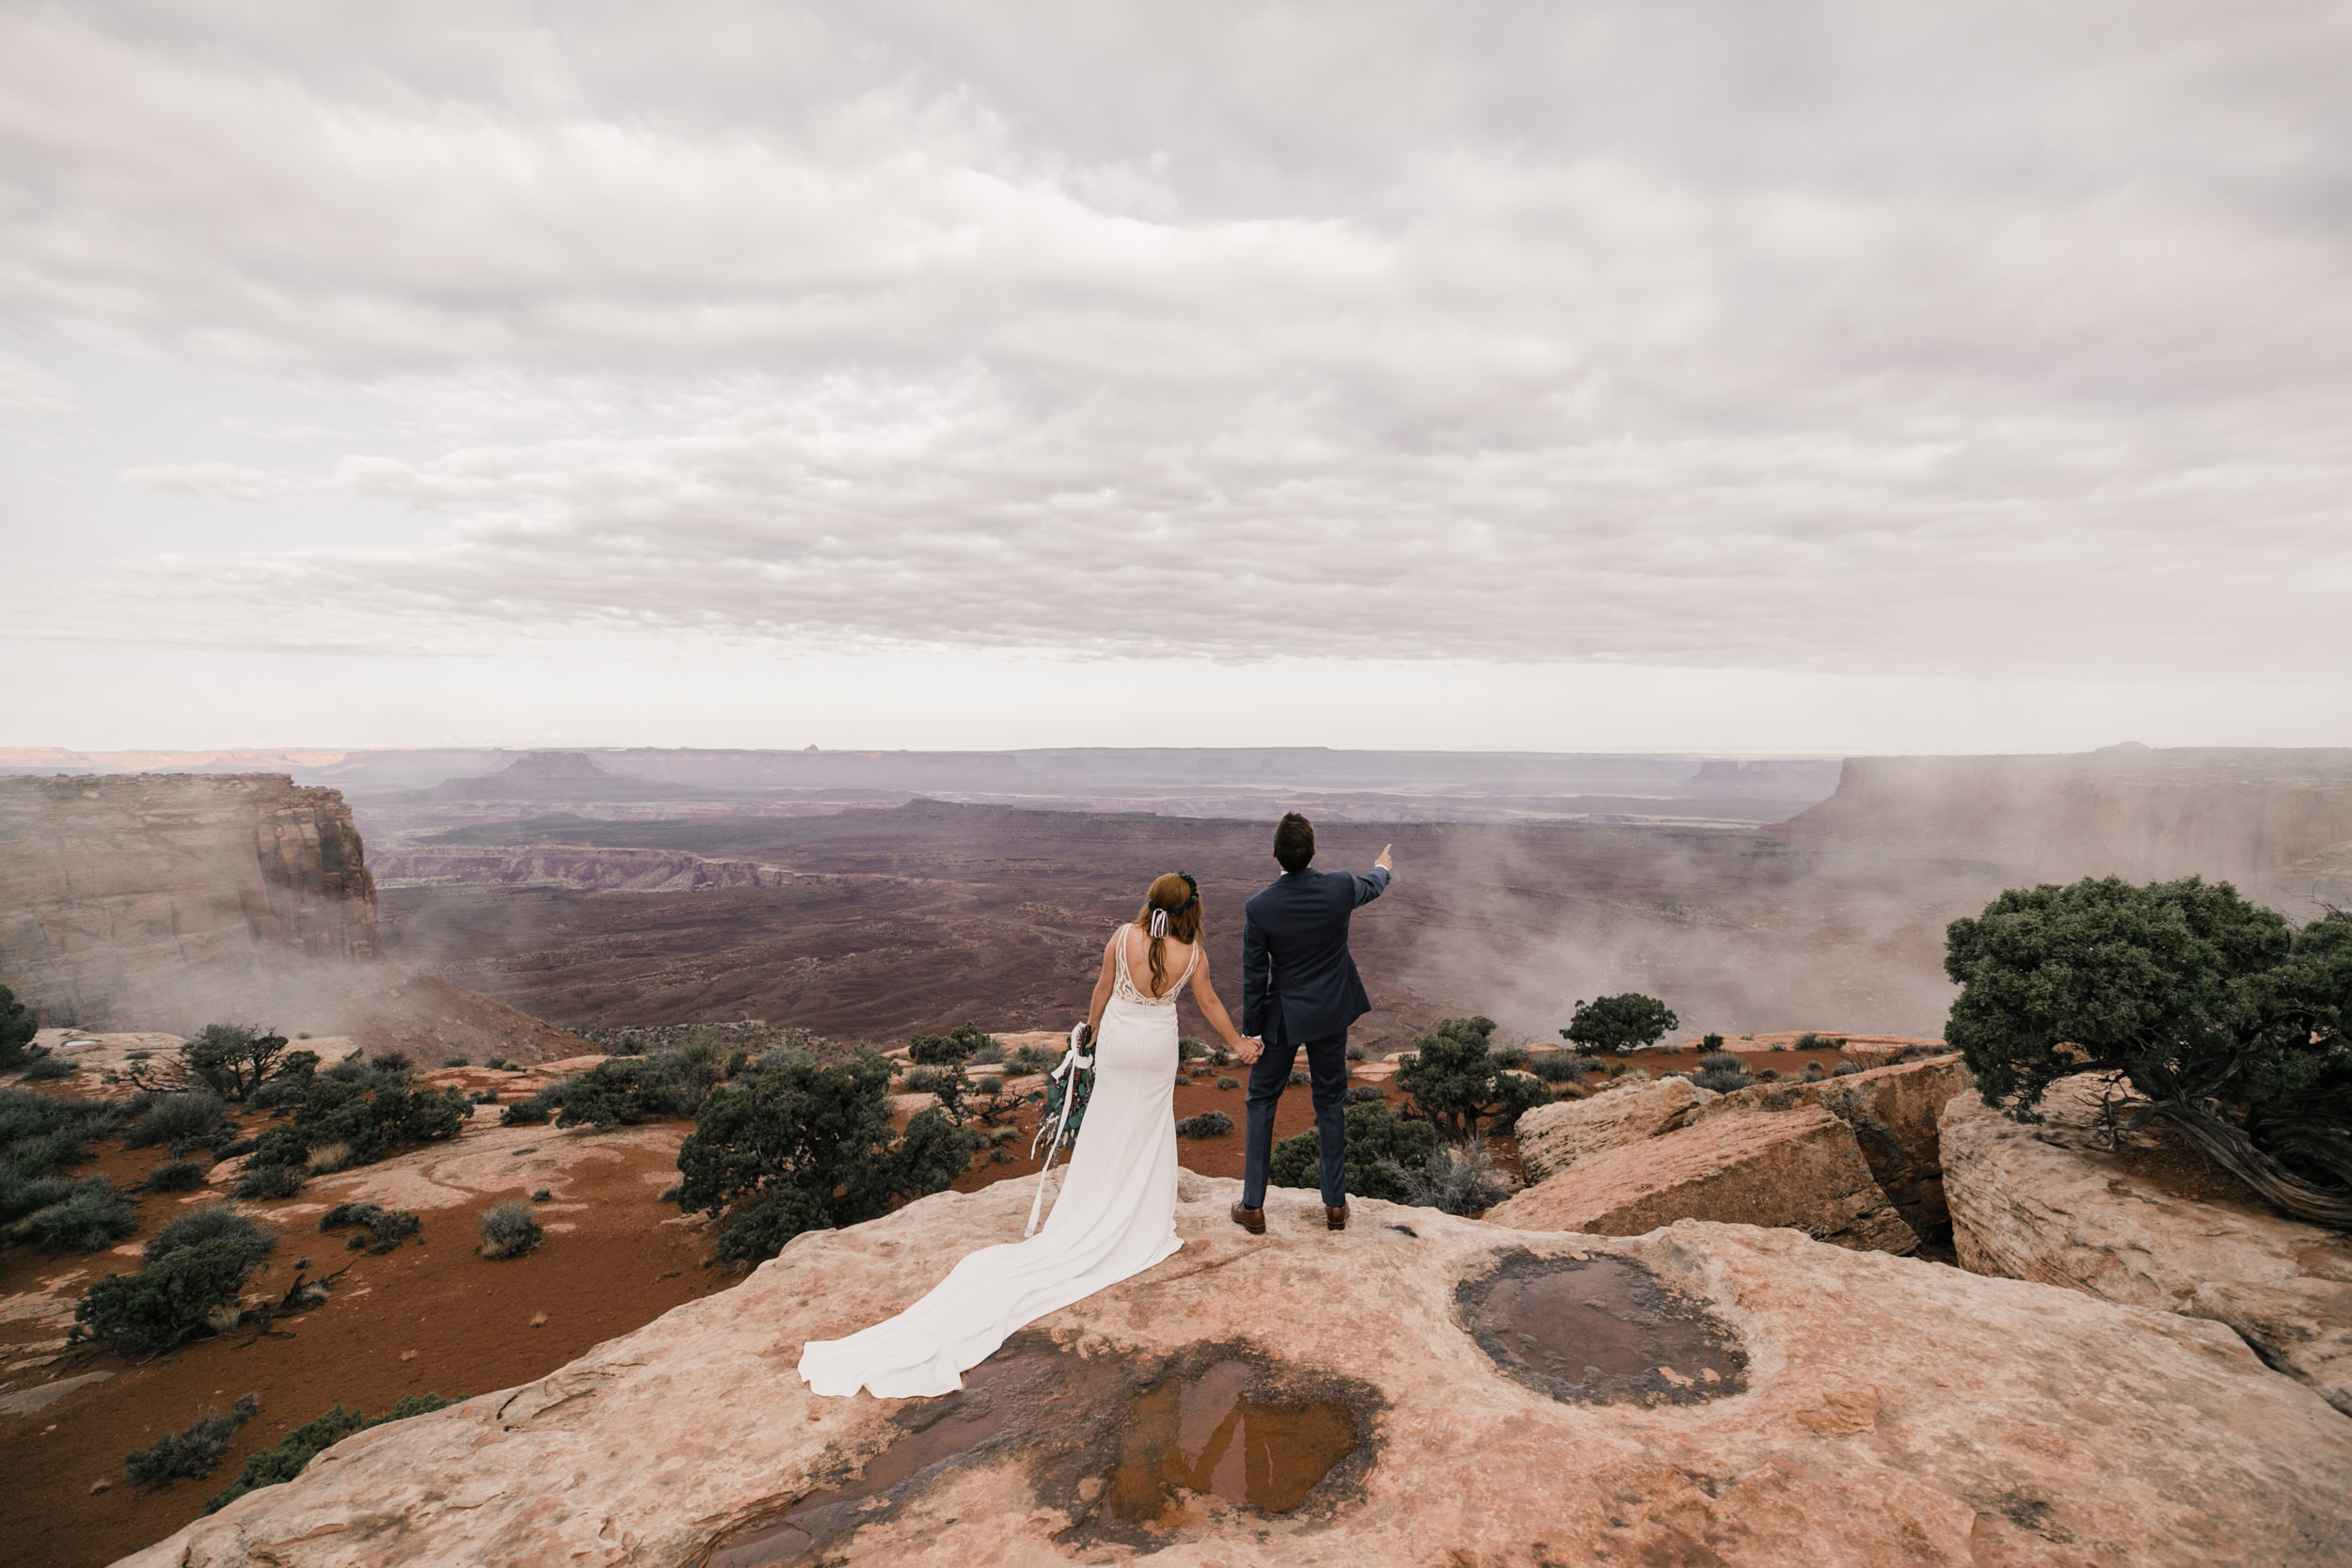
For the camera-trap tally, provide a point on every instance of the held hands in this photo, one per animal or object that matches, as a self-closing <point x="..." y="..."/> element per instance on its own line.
<point x="1250" y="1048"/>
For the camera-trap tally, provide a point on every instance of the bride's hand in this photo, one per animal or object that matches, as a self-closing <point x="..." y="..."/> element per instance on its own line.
<point x="1250" y="1048"/>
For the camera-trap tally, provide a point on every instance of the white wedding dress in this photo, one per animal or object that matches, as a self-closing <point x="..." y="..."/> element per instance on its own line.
<point x="1116" y="1217"/>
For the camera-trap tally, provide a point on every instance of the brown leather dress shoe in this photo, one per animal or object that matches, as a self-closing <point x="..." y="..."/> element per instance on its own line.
<point x="1251" y="1220"/>
<point x="1336" y="1218"/>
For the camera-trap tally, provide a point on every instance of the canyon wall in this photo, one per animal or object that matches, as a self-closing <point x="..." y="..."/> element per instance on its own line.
<point x="158" y="899"/>
<point x="2276" y="822"/>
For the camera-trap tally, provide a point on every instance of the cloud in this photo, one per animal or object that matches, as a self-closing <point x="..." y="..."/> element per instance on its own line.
<point x="26" y="389"/>
<point x="1942" y="340"/>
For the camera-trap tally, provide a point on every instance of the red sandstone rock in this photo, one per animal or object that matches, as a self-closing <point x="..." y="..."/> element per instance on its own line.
<point x="2050" y="1203"/>
<point x="1893" y="1112"/>
<point x="1897" y="1413"/>
<point x="1799" y="1168"/>
<point x="1554" y="1137"/>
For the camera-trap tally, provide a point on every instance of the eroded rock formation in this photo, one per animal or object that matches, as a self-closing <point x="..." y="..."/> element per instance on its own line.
<point x="131" y="899"/>
<point x="1799" y="1167"/>
<point x="1555" y="1137"/>
<point x="2052" y="1203"/>
<point x="1815" y="1406"/>
<point x="1893" y="1113"/>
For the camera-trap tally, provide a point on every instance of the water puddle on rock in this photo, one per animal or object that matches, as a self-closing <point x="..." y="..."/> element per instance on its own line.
<point x="1130" y="1450"/>
<point x="1207" y="1434"/>
<point x="991" y="1411"/>
<point x="1600" y="1330"/>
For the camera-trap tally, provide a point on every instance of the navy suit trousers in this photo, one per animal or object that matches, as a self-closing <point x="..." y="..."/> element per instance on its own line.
<point x="1327" y="1074"/>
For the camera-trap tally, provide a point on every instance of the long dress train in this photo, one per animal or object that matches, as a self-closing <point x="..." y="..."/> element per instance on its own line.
<point x="1116" y="1217"/>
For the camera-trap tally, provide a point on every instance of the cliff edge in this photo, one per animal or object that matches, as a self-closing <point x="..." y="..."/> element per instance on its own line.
<point x="148" y="899"/>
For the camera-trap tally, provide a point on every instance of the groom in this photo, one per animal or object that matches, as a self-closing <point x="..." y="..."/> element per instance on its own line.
<point x="1300" y="987"/>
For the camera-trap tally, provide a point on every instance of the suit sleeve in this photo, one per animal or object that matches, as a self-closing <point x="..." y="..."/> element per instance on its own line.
<point x="1253" y="975"/>
<point x="1371" y="886"/>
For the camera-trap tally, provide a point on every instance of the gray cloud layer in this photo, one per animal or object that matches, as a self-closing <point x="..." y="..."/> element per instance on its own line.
<point x="1959" y="339"/>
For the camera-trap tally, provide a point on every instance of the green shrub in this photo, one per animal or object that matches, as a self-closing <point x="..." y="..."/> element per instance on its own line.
<point x="947" y="1055"/>
<point x="266" y="1182"/>
<point x="372" y="1108"/>
<point x="1454" y="1081"/>
<point x="17" y="1028"/>
<point x="1187" y="1049"/>
<point x="457" y="1061"/>
<point x="19" y="1195"/>
<point x="234" y="1059"/>
<point x="147" y="1313"/>
<point x="1032" y="1059"/>
<point x="1208" y="1124"/>
<point x="1560" y="1067"/>
<point x="45" y="1069"/>
<point x="180" y="1120"/>
<point x="177" y="1176"/>
<point x="1845" y="1070"/>
<point x="1357" y="1053"/>
<point x="382" y="1228"/>
<point x="1811" y="1041"/>
<point x="498" y="1064"/>
<point x="1228" y="1083"/>
<point x="532" y="1110"/>
<point x="1724" y="1080"/>
<point x="1627" y="1021"/>
<point x="823" y="1131"/>
<point x="310" y="1439"/>
<point x="1375" y="1135"/>
<point x="1361" y="1094"/>
<point x="1455" y="1179"/>
<point x="94" y="1216"/>
<point x="509" y="1230"/>
<point x="626" y="1090"/>
<point x="1721" y="1061"/>
<point x="2223" y="1020"/>
<point x="212" y="1222"/>
<point x="194" y="1452"/>
<point x="1711" y="1042"/>
<point x="1297" y="1078"/>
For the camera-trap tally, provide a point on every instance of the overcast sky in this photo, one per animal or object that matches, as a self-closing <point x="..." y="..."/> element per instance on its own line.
<point x="1704" y="377"/>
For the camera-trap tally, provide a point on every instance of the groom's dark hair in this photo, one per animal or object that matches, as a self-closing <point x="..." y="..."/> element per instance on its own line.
<point x="1294" y="842"/>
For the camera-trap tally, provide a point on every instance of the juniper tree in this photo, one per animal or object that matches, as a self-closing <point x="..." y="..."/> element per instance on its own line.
<point x="2228" y="1023"/>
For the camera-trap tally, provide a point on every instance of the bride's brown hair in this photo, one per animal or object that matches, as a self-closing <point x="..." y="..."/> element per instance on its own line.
<point x="1177" y="895"/>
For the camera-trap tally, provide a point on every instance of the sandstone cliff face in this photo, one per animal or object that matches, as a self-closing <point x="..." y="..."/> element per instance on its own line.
<point x="146" y="899"/>
<point x="2051" y="1203"/>
<point x="2277" y="823"/>
<point x="1872" y="1410"/>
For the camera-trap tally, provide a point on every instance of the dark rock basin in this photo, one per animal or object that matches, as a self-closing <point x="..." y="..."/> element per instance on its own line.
<point x="1600" y="1330"/>
<point x="1127" y="1447"/>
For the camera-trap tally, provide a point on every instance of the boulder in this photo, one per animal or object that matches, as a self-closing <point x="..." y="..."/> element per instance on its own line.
<point x="1554" y="1137"/>
<point x="1882" y="1410"/>
<point x="1799" y="1168"/>
<point x="2145" y="1227"/>
<point x="1893" y="1113"/>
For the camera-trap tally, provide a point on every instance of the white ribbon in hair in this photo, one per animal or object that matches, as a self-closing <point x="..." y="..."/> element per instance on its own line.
<point x="1159" y="923"/>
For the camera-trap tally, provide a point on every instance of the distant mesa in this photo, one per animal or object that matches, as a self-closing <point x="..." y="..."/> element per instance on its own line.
<point x="551" y="775"/>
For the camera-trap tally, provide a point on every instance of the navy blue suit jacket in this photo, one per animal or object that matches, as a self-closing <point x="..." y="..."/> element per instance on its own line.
<point x="1297" y="981"/>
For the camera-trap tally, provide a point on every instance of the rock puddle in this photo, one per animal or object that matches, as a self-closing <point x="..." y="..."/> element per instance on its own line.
<point x="1600" y="1330"/>
<point x="1136" y="1453"/>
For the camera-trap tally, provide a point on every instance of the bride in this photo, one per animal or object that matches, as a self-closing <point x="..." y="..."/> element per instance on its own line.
<point x="1116" y="1216"/>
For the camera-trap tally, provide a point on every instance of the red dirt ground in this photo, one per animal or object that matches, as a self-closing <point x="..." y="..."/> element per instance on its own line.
<point x="431" y="1316"/>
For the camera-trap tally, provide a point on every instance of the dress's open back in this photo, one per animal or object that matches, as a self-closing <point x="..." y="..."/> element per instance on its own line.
<point x="1116" y="1217"/>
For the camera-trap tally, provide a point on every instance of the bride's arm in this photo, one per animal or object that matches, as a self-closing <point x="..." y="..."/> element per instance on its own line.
<point x="1101" y="990"/>
<point x="1213" y="1010"/>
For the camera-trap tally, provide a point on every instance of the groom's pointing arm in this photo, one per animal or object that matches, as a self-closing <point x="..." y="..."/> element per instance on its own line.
<point x="1375" y="882"/>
